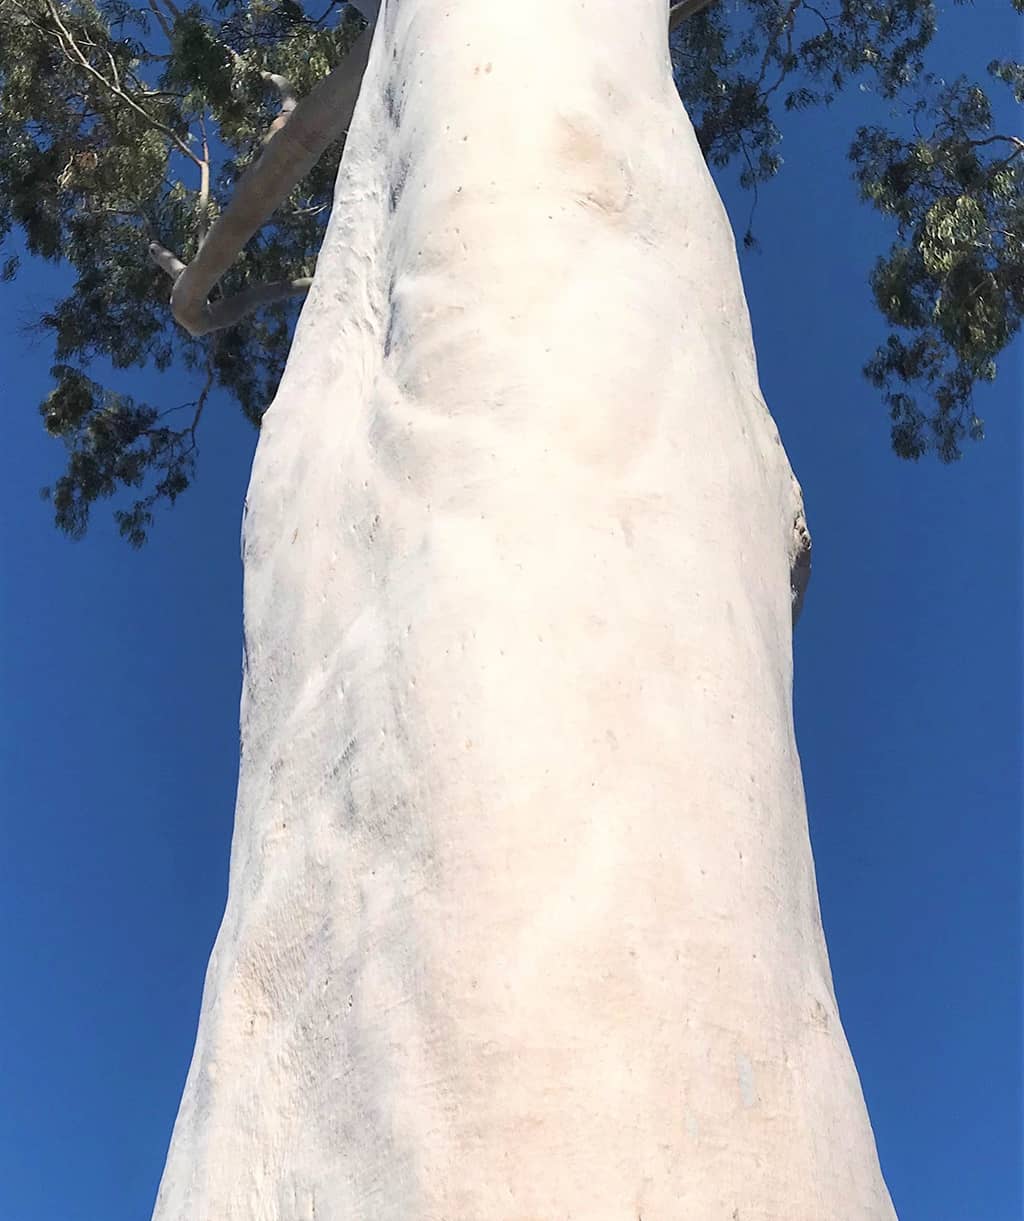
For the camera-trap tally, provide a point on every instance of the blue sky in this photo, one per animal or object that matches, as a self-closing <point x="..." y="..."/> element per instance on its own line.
<point x="118" y="752"/>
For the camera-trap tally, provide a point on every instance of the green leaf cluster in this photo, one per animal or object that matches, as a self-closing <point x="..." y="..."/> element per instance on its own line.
<point x="109" y="111"/>
<point x="952" y="285"/>
<point x="741" y="65"/>
<point x="113" y="443"/>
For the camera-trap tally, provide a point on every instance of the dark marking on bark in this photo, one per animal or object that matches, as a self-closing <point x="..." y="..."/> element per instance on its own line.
<point x="800" y="562"/>
<point x="392" y="104"/>
<point x="388" y="333"/>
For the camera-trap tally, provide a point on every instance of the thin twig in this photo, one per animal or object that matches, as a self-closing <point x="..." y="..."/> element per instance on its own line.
<point x="753" y="183"/>
<point x="113" y="69"/>
<point x="161" y="20"/>
<point x="74" y="53"/>
<point x="820" y="15"/>
<point x="786" y="24"/>
<point x="1016" y="141"/>
<point x="204" y="393"/>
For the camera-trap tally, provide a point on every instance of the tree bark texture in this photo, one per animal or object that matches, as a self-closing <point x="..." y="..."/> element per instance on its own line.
<point x="522" y="921"/>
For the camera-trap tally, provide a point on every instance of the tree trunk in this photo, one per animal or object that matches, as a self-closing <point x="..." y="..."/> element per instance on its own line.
<point x="522" y="921"/>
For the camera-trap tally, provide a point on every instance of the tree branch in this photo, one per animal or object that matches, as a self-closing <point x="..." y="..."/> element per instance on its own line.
<point x="231" y="311"/>
<point x="161" y="20"/>
<point x="785" y="25"/>
<point x="285" y="90"/>
<point x="113" y="69"/>
<point x="166" y="260"/>
<point x="678" y="13"/>
<point x="204" y="184"/>
<point x="318" y="120"/>
<point x="284" y="87"/>
<point x="203" y="396"/>
<point x="219" y="315"/>
<point x="288" y="102"/>
<point x="74" y="54"/>
<point x="1015" y="141"/>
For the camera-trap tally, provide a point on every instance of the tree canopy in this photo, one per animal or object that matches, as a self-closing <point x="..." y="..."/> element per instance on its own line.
<point x="127" y="126"/>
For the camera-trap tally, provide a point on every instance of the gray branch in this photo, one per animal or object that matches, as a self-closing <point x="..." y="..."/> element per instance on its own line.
<point x="289" y="101"/>
<point x="283" y="86"/>
<point x="166" y="260"/>
<point x="678" y="13"/>
<point x="316" y="122"/>
<point x="218" y="315"/>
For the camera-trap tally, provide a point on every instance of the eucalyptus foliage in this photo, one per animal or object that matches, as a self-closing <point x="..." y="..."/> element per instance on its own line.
<point x="122" y="124"/>
<point x="125" y="122"/>
<point x="952" y="285"/>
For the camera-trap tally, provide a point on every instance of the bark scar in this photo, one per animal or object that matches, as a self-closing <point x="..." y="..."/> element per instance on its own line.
<point x="604" y="179"/>
<point x="799" y="556"/>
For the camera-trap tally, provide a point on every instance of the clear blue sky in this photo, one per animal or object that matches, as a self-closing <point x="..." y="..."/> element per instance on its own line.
<point x="118" y="752"/>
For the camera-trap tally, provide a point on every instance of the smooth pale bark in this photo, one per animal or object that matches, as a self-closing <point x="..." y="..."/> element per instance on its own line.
<point x="522" y="921"/>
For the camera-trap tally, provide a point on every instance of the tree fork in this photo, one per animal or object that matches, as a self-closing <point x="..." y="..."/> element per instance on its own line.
<point x="311" y="125"/>
<point x="291" y="152"/>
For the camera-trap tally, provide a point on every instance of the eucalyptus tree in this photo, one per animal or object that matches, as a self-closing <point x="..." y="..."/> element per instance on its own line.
<point x="522" y="917"/>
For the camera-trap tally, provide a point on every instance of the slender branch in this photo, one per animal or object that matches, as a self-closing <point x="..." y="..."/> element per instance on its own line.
<point x="318" y="120"/>
<point x="1001" y="165"/>
<point x="219" y="315"/>
<point x="113" y="70"/>
<point x="820" y="15"/>
<point x="684" y="10"/>
<point x="285" y="90"/>
<point x="1016" y="141"/>
<point x="284" y="87"/>
<point x="231" y="310"/>
<point x="74" y="53"/>
<point x="166" y="260"/>
<point x="289" y="101"/>
<point x="204" y="184"/>
<point x="785" y="25"/>
<point x="204" y="394"/>
<point x="753" y="182"/>
<point x="161" y="19"/>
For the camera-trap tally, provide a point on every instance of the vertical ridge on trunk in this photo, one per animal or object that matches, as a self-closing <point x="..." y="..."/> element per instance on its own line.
<point x="522" y="919"/>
